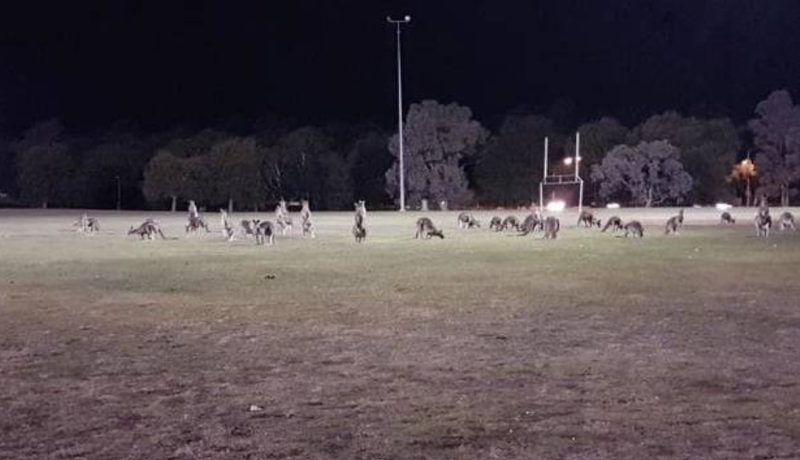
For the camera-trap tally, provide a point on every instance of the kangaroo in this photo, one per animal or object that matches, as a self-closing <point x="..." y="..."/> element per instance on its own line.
<point x="148" y="229"/>
<point x="306" y="222"/>
<point x="282" y="217"/>
<point x="531" y="223"/>
<point x="193" y="212"/>
<point x="228" y="230"/>
<point x="467" y="220"/>
<point x="510" y="222"/>
<point x="588" y="220"/>
<point x="426" y="229"/>
<point x="247" y="227"/>
<point x="634" y="228"/>
<point x="496" y="224"/>
<point x="726" y="218"/>
<point x="265" y="230"/>
<point x="674" y="223"/>
<point x="787" y="221"/>
<point x="195" y="223"/>
<point x="614" y="223"/>
<point x="86" y="224"/>
<point x="763" y="224"/>
<point x="360" y="225"/>
<point x="763" y="221"/>
<point x="551" y="227"/>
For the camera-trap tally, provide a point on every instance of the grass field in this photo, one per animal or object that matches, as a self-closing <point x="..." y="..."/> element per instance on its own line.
<point x="479" y="346"/>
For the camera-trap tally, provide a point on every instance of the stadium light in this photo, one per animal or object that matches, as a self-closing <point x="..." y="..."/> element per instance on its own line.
<point x="556" y="206"/>
<point x="401" y="165"/>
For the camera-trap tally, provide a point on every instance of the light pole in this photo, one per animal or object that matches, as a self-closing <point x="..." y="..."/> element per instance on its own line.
<point x="399" y="22"/>
<point x="119" y="194"/>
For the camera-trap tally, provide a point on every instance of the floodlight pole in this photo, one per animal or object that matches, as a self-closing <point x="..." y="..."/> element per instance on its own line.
<point x="401" y="165"/>
<point x="577" y="175"/>
<point x="544" y="176"/>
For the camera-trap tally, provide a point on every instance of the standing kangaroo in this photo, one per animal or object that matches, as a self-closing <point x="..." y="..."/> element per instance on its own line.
<point x="426" y="229"/>
<point x="674" y="223"/>
<point x="496" y="224"/>
<point x="360" y="224"/>
<point x="763" y="221"/>
<point x="306" y="222"/>
<point x="551" y="227"/>
<point x="282" y="217"/>
<point x="264" y="231"/>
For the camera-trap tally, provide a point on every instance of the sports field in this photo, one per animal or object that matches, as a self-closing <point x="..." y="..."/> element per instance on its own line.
<point x="483" y="345"/>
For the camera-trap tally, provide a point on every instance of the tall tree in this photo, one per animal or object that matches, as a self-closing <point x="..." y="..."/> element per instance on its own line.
<point x="305" y="165"/>
<point x="165" y="178"/>
<point x="510" y="165"/>
<point x="368" y="161"/>
<point x="777" y="141"/>
<point x="647" y="174"/>
<point x="234" y="164"/>
<point x="708" y="149"/>
<point x="438" y="140"/>
<point x="43" y="164"/>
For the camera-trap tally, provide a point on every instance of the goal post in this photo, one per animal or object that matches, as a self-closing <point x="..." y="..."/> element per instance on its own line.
<point x="563" y="181"/>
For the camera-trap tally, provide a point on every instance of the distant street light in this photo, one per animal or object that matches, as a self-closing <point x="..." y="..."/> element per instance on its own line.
<point x="119" y="194"/>
<point x="399" y="22"/>
<point x="746" y="170"/>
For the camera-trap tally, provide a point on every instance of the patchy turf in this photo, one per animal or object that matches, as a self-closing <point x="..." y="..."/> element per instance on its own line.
<point x="480" y="346"/>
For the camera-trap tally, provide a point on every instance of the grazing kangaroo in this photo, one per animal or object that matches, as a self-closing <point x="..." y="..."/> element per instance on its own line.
<point x="282" y="217"/>
<point x="264" y="230"/>
<point x="551" y="227"/>
<point x="467" y="220"/>
<point x="496" y="224"/>
<point x="674" y="223"/>
<point x="426" y="229"/>
<point x="726" y="218"/>
<point x="307" y="223"/>
<point x="360" y="225"/>
<point x="510" y="222"/>
<point x="787" y="221"/>
<point x="228" y="230"/>
<point x="195" y="223"/>
<point x="149" y="229"/>
<point x="531" y="223"/>
<point x="86" y="224"/>
<point x="634" y="228"/>
<point x="614" y="223"/>
<point x="588" y="220"/>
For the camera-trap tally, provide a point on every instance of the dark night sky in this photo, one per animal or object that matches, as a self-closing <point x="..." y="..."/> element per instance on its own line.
<point x="161" y="62"/>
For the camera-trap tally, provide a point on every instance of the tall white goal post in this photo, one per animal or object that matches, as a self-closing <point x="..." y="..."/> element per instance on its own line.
<point x="563" y="179"/>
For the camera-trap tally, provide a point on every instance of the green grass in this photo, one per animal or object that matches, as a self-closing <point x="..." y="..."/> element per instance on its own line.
<point x="482" y="345"/>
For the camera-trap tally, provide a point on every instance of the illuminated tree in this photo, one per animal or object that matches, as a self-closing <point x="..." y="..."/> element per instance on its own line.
<point x="438" y="140"/>
<point x="777" y="140"/>
<point x="647" y="174"/>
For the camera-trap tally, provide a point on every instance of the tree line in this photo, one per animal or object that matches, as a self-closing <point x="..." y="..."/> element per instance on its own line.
<point x="450" y="157"/>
